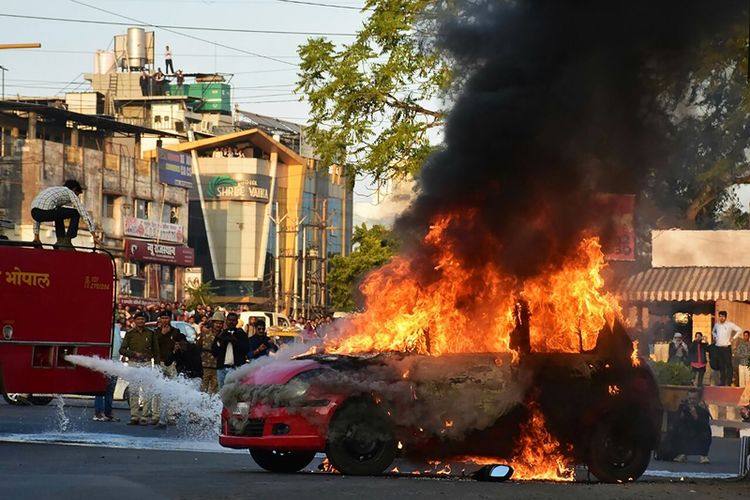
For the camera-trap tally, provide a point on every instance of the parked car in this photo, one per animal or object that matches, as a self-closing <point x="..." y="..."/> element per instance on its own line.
<point x="599" y="404"/>
<point x="187" y="329"/>
<point x="270" y="318"/>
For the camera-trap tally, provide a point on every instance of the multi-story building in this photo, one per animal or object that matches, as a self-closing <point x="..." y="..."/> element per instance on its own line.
<point x="264" y="221"/>
<point x="141" y="220"/>
<point x="265" y="218"/>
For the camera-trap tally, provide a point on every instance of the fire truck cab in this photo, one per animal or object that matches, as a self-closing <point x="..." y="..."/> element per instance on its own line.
<point x="53" y="303"/>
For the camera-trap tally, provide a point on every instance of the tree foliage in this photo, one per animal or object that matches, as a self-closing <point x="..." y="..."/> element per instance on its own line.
<point x="709" y="125"/>
<point x="200" y="294"/>
<point x="373" y="247"/>
<point x="372" y="101"/>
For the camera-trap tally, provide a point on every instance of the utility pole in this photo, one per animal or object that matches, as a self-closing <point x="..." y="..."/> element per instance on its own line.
<point x="276" y="264"/>
<point x="304" y="270"/>
<point x="3" y="69"/>
<point x="324" y="258"/>
<point x="296" y="264"/>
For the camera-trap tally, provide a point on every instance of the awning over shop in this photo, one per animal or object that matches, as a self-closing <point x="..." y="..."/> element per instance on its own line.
<point x="687" y="283"/>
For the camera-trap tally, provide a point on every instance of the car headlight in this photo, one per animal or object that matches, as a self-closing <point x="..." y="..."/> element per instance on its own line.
<point x="242" y="409"/>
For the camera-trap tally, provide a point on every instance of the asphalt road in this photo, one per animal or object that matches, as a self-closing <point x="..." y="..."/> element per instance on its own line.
<point x="48" y="453"/>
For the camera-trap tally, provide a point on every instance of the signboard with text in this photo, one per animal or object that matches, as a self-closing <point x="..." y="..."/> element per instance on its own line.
<point x="175" y="169"/>
<point x="238" y="187"/>
<point x="620" y="242"/>
<point x="163" y="231"/>
<point x="148" y="251"/>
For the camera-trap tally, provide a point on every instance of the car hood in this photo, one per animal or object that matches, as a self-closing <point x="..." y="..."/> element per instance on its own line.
<point x="279" y="372"/>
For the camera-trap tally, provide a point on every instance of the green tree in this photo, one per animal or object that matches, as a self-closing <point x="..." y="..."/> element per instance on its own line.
<point x="709" y="123"/>
<point x="202" y="293"/>
<point x="373" y="247"/>
<point x="371" y="101"/>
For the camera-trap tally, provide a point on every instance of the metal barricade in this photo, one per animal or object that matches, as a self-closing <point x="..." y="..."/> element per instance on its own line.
<point x="744" y="455"/>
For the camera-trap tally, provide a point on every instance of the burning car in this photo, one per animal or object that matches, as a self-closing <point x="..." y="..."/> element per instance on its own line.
<point x="539" y="410"/>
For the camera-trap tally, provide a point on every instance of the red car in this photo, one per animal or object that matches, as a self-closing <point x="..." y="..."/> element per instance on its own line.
<point x="364" y="410"/>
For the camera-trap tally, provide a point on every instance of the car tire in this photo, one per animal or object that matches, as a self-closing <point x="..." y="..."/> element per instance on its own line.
<point x="361" y="439"/>
<point x="17" y="399"/>
<point x="282" y="461"/>
<point x="40" y="400"/>
<point x="618" y="453"/>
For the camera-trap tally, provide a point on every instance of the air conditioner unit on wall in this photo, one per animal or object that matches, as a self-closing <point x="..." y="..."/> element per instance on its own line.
<point x="129" y="269"/>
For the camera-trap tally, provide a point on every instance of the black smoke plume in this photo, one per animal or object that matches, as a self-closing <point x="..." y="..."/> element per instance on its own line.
<point x="561" y="101"/>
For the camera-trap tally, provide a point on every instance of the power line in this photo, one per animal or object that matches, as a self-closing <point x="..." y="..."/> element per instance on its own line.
<point x="167" y="26"/>
<point x="185" y="35"/>
<point x="316" y="4"/>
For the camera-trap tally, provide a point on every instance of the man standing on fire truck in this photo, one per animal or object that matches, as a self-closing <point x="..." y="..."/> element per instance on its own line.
<point x="140" y="346"/>
<point x="49" y="206"/>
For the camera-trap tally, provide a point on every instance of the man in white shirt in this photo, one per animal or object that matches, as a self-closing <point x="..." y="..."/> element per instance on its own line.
<point x="723" y="333"/>
<point x="49" y="206"/>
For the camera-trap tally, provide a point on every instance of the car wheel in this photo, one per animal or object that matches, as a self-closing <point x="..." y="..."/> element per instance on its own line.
<point x="17" y="399"/>
<point x="361" y="439"/>
<point x="282" y="461"/>
<point x="617" y="451"/>
<point x="40" y="400"/>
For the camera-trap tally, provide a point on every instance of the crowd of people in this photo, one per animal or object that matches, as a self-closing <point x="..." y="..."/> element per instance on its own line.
<point x="727" y="353"/>
<point x="222" y="344"/>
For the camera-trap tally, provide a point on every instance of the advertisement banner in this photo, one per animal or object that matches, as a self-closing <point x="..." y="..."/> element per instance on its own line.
<point x="175" y="169"/>
<point x="239" y="187"/>
<point x="147" y="229"/>
<point x="620" y="242"/>
<point x="148" y="251"/>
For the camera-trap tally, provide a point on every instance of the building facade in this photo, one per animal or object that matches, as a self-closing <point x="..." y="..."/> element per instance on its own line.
<point x="141" y="221"/>
<point x="264" y="221"/>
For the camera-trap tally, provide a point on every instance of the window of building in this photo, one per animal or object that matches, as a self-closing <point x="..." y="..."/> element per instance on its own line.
<point x="170" y="213"/>
<point x="142" y="209"/>
<point x="108" y="206"/>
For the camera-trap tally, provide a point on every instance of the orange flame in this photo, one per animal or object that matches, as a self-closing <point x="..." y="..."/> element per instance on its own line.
<point x="470" y="308"/>
<point x="538" y="453"/>
<point x="613" y="390"/>
<point x="326" y="466"/>
<point x="635" y="359"/>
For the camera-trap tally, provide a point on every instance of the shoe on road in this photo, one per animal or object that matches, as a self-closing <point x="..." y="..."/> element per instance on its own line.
<point x="99" y="418"/>
<point x="680" y="458"/>
<point x="134" y="421"/>
<point x="111" y="418"/>
<point x="704" y="460"/>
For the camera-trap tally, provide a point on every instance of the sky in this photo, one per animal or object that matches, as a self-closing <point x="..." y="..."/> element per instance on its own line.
<point x="262" y="66"/>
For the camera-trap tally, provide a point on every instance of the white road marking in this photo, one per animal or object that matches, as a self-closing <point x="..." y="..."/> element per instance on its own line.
<point x="688" y="475"/>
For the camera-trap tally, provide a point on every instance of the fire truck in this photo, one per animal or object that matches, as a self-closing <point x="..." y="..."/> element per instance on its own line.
<point x="53" y="303"/>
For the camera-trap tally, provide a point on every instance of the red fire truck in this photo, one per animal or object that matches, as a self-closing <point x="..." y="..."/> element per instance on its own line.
<point x="52" y="303"/>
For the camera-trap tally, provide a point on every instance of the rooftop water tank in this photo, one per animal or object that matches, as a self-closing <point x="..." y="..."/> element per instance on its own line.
<point x="104" y="62"/>
<point x="136" y="48"/>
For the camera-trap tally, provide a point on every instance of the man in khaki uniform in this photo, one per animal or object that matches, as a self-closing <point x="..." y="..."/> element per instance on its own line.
<point x="140" y="346"/>
<point x="167" y="335"/>
<point x="205" y="341"/>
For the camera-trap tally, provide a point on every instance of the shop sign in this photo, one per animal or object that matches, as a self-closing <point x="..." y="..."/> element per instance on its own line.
<point x="240" y="187"/>
<point x="126" y="300"/>
<point x="620" y="242"/>
<point x="148" y="251"/>
<point x="147" y="229"/>
<point x="175" y="168"/>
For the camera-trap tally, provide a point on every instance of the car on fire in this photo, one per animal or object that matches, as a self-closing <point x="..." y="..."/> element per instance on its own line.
<point x="363" y="411"/>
